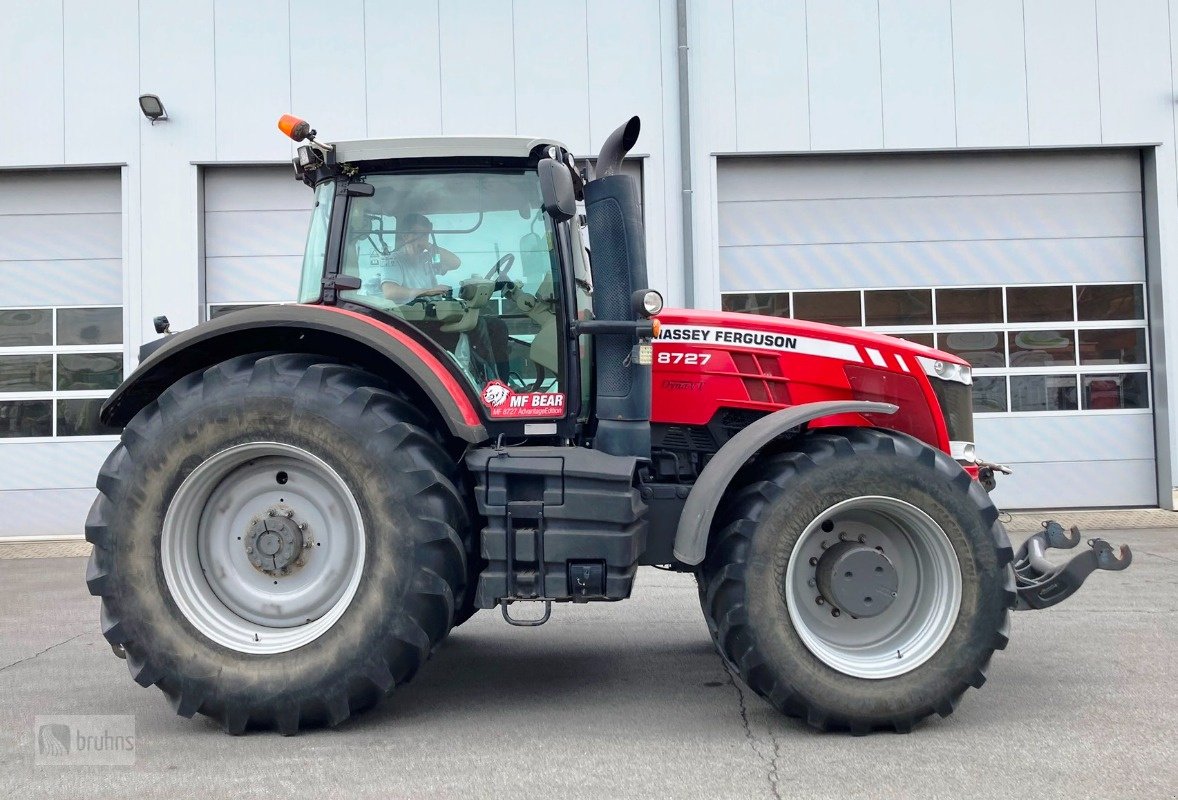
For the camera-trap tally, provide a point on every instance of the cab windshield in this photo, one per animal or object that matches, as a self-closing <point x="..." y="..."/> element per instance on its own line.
<point x="468" y="258"/>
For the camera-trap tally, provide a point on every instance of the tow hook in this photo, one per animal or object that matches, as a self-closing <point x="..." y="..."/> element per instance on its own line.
<point x="986" y="472"/>
<point x="1042" y="584"/>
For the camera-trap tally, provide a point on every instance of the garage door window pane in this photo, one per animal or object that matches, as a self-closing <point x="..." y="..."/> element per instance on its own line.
<point x="836" y="308"/>
<point x="899" y="307"/>
<point x="919" y="338"/>
<point x="89" y="371"/>
<point x="80" y="418"/>
<point x="772" y="304"/>
<point x="1039" y="304"/>
<point x="1042" y="348"/>
<point x="89" y="326"/>
<point x="26" y="327"/>
<point x="1043" y="393"/>
<point x="989" y="395"/>
<point x="1113" y="346"/>
<point x="969" y="306"/>
<point x="982" y="349"/>
<point x="26" y="373"/>
<point x="22" y="418"/>
<point x="1121" y="390"/>
<point x="1120" y="301"/>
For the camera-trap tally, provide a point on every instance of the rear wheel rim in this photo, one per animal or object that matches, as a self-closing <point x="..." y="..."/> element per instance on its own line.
<point x="262" y="547"/>
<point x="919" y="618"/>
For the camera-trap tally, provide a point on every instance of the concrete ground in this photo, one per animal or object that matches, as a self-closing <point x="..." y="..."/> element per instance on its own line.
<point x="626" y="700"/>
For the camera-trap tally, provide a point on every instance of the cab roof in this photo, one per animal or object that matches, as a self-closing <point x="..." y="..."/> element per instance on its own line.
<point x="440" y="147"/>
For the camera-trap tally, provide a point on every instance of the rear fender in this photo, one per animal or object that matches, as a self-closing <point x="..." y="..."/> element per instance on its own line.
<point x="691" y="537"/>
<point x="342" y="335"/>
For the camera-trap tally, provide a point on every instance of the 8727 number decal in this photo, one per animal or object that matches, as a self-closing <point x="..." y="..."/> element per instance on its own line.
<point x="690" y="359"/>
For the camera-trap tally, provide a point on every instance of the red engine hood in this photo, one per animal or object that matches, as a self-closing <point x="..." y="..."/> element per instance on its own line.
<point x="797" y="327"/>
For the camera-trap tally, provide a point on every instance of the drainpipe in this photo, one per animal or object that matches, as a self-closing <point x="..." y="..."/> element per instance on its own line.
<point x="685" y="156"/>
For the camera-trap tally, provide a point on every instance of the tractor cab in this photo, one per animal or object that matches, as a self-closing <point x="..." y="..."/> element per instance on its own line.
<point x="460" y="250"/>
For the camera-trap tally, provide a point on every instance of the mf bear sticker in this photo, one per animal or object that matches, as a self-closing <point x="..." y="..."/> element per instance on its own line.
<point x="503" y="403"/>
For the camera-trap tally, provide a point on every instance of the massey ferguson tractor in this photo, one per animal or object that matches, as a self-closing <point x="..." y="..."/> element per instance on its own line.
<point x="479" y="402"/>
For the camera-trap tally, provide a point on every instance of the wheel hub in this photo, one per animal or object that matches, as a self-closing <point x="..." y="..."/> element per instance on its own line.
<point x="275" y="543"/>
<point x="857" y="579"/>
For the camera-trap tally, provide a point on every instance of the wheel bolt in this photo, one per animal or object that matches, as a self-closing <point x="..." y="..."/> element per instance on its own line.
<point x="813" y="561"/>
<point x="825" y="544"/>
<point x="811" y="583"/>
<point x="288" y="513"/>
<point x="862" y="539"/>
<point x="249" y="549"/>
<point x="271" y="513"/>
<point x="819" y="600"/>
<point x="302" y="526"/>
<point x="834" y="612"/>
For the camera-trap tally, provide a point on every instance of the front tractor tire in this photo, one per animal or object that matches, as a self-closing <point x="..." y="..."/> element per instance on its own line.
<point x="860" y="581"/>
<point x="278" y="542"/>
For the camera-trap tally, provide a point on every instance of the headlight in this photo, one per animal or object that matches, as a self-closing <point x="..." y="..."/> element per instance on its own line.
<point x="648" y="302"/>
<point x="946" y="370"/>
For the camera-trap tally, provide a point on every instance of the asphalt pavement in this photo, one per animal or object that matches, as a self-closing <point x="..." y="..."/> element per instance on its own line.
<point x="625" y="700"/>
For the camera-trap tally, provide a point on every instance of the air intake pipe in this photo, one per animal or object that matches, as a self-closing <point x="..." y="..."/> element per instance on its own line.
<point x="614" y="212"/>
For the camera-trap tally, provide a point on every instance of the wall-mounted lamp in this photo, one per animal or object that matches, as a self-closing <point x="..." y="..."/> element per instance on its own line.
<point x="152" y="107"/>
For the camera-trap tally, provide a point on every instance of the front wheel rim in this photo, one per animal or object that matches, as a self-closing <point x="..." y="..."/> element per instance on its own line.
<point x="925" y="607"/>
<point x="262" y="547"/>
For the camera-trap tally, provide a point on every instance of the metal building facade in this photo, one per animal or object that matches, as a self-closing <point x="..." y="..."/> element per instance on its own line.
<point x="777" y="88"/>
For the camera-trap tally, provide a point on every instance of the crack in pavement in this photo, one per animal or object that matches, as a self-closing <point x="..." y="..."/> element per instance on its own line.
<point x="41" y="653"/>
<point x="773" y="775"/>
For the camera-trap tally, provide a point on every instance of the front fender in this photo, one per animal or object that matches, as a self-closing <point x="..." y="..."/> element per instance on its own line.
<point x="336" y="333"/>
<point x="695" y="523"/>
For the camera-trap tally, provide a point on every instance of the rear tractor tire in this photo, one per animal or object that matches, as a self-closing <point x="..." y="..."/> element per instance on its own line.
<point x="278" y="542"/>
<point x="861" y="581"/>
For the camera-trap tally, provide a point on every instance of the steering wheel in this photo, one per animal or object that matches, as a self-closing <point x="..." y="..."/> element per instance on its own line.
<point x="501" y="268"/>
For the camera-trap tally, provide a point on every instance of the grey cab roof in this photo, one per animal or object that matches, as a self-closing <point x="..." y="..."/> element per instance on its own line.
<point x="439" y="147"/>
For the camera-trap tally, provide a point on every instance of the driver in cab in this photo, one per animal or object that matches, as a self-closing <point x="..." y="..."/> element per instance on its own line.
<point x="416" y="263"/>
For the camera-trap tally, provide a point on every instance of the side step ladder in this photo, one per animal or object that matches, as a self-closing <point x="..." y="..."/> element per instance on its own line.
<point x="528" y="510"/>
<point x="1042" y="584"/>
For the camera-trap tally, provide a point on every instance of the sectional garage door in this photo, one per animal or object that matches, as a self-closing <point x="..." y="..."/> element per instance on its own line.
<point x="61" y="342"/>
<point x="255" y="224"/>
<point x="1029" y="265"/>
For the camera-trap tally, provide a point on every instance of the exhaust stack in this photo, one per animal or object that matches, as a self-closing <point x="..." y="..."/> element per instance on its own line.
<point x="614" y="212"/>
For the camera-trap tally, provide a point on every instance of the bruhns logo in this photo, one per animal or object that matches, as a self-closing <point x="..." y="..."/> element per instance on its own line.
<point x="53" y="739"/>
<point x="85" y="740"/>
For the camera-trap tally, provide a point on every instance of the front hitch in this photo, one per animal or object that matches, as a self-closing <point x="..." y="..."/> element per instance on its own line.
<point x="1042" y="584"/>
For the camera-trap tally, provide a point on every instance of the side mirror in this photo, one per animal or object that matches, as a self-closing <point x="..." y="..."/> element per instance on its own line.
<point x="556" y="190"/>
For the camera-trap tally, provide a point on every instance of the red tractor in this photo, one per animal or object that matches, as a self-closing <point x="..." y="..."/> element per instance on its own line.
<point x="478" y="402"/>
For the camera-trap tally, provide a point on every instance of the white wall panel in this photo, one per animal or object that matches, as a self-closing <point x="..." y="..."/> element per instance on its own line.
<point x="772" y="95"/>
<point x="1059" y="461"/>
<point x="176" y="62"/>
<point x="625" y="69"/>
<point x="1063" y="85"/>
<point x="327" y="78"/>
<point x="32" y="83"/>
<point x="60" y="237"/>
<point x="878" y="265"/>
<point x="477" y="58"/>
<point x="922" y="219"/>
<point x="47" y="512"/>
<point x="989" y="69"/>
<point x="1137" y="93"/>
<point x="930" y="174"/>
<point x="403" y="68"/>
<point x="551" y="40"/>
<point x="845" y="95"/>
<point x="253" y="77"/>
<point x="101" y="81"/>
<point x="59" y="465"/>
<point x="255" y="223"/>
<point x="916" y="60"/>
